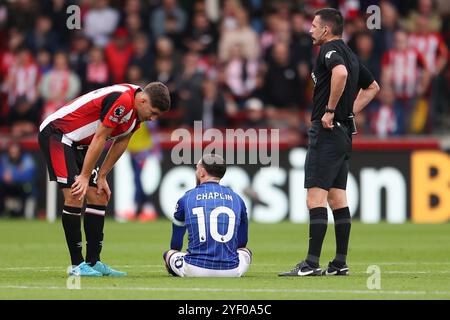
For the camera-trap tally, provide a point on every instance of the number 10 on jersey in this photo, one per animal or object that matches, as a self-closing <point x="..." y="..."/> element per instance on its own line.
<point x="213" y="226"/>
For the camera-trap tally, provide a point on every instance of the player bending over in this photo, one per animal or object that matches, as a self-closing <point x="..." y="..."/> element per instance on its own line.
<point x="72" y="140"/>
<point x="216" y="220"/>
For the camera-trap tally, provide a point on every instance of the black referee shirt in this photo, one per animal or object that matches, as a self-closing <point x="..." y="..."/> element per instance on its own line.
<point x="331" y="54"/>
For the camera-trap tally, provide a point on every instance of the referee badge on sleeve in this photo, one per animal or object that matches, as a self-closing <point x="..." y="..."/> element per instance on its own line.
<point x="329" y="53"/>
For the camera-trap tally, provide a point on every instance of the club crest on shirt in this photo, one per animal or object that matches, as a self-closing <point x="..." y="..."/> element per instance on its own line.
<point x="118" y="112"/>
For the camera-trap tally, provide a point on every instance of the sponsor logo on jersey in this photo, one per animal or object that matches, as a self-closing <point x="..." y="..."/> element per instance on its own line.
<point x="113" y="119"/>
<point x="126" y="117"/>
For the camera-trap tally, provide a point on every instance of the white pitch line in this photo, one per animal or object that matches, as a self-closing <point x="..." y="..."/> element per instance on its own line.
<point x="178" y="289"/>
<point x="161" y="268"/>
<point x="49" y="269"/>
<point x="254" y="265"/>
<point x="410" y="263"/>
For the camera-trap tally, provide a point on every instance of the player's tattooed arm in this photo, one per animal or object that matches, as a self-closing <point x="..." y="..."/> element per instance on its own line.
<point x="81" y="184"/>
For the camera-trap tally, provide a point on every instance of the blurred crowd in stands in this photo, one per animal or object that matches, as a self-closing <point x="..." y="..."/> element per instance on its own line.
<point x="229" y="63"/>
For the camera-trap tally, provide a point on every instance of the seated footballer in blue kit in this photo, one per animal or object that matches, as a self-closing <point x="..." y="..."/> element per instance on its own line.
<point x="216" y="220"/>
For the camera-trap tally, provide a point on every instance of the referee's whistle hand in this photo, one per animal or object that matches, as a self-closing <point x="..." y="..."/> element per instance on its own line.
<point x="327" y="121"/>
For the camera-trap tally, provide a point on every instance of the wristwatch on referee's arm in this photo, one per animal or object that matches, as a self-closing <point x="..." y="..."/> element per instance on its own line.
<point x="329" y="110"/>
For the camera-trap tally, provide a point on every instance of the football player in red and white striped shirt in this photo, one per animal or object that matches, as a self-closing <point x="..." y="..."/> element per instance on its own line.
<point x="405" y="69"/>
<point x="72" y="140"/>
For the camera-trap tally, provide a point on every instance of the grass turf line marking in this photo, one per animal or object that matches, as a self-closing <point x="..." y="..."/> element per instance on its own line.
<point x="236" y="290"/>
<point x="161" y="268"/>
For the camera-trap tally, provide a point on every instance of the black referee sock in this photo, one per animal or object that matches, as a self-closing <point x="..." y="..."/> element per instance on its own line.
<point x="71" y="221"/>
<point x="342" y="226"/>
<point x="94" y="221"/>
<point x="318" y="222"/>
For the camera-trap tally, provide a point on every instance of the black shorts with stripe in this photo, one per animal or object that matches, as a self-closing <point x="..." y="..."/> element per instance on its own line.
<point x="64" y="162"/>
<point x="327" y="159"/>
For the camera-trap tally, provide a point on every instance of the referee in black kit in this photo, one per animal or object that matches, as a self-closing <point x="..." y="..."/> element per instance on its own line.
<point x="339" y="78"/>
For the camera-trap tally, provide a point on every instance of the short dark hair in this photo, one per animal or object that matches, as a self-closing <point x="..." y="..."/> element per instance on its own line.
<point x="214" y="164"/>
<point x="159" y="95"/>
<point x="333" y="18"/>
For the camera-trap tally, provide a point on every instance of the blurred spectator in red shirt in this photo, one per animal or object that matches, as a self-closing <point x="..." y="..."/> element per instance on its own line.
<point x="402" y="68"/>
<point x="97" y="71"/>
<point x="8" y="54"/>
<point x="430" y="44"/>
<point x="118" y="54"/>
<point x="349" y="8"/>
<point x="59" y="85"/>
<point x="384" y="122"/>
<point x="20" y="86"/>
<point x="405" y="70"/>
<point x="433" y="48"/>
<point x="22" y="78"/>
<point x="8" y="57"/>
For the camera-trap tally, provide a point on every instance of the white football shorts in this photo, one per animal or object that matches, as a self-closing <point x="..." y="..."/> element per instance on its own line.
<point x="183" y="269"/>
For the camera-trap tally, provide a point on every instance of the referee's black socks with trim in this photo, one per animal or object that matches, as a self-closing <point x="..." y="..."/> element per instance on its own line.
<point x="71" y="221"/>
<point x="342" y="226"/>
<point x="94" y="221"/>
<point x="318" y="222"/>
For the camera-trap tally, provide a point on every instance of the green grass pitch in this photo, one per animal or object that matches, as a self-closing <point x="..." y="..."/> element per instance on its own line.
<point x="414" y="261"/>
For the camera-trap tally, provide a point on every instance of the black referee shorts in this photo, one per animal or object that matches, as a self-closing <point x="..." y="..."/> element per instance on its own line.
<point x="327" y="159"/>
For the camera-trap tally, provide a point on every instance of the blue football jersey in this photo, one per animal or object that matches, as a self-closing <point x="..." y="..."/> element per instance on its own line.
<point x="216" y="221"/>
